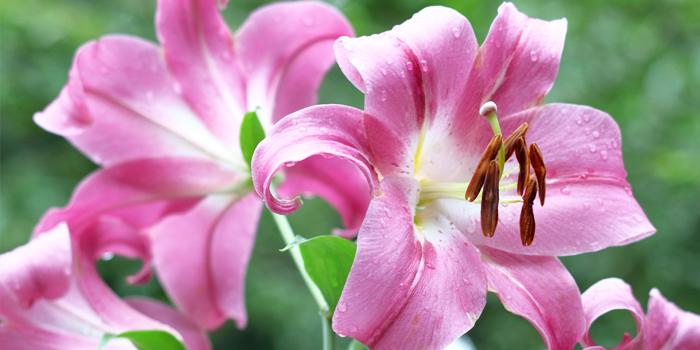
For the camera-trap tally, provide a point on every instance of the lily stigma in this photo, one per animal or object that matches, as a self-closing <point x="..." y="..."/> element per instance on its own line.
<point x="484" y="186"/>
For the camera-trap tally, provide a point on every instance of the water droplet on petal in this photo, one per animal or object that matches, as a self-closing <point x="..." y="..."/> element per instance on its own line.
<point x="600" y="201"/>
<point x="368" y="86"/>
<point x="455" y="32"/>
<point x="533" y="56"/>
<point x="430" y="266"/>
<point x="637" y="218"/>
<point x="409" y="65"/>
<point x="500" y="27"/>
<point x="107" y="256"/>
<point x="568" y="130"/>
<point x="383" y="96"/>
<point x="403" y="75"/>
<point x="388" y="61"/>
<point x="565" y="190"/>
<point x="604" y="155"/>
<point x="402" y="286"/>
<point x="383" y="71"/>
<point x="424" y="65"/>
<point x="591" y="147"/>
<point x="302" y="129"/>
<point x="596" y="134"/>
<point x="381" y="222"/>
<point x="375" y="261"/>
<point x="324" y="130"/>
<point x="579" y="121"/>
<point x="628" y="190"/>
<point x="614" y="143"/>
<point x="387" y="212"/>
<point x="586" y="206"/>
<point x="587" y="131"/>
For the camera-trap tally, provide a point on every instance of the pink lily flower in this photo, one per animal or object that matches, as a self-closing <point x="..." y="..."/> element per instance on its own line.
<point x="163" y="123"/>
<point x="50" y="299"/>
<point x="665" y="326"/>
<point x="423" y="266"/>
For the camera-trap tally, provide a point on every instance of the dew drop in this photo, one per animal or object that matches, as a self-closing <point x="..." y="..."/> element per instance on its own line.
<point x="565" y="190"/>
<point x="107" y="256"/>
<point x="591" y="147"/>
<point x="402" y="286"/>
<point x="628" y="190"/>
<point x="302" y="129"/>
<point x="324" y="130"/>
<point x="383" y="96"/>
<point x="466" y="281"/>
<point x="586" y="206"/>
<point x="375" y="261"/>
<point x="614" y="143"/>
<point x="397" y="239"/>
<point x="587" y="131"/>
<point x="604" y="155"/>
<point x="381" y="222"/>
<point x="600" y="201"/>
<point x="500" y="27"/>
<point x="533" y="56"/>
<point x="579" y="121"/>
<point x="424" y="65"/>
<point x="291" y="164"/>
<point x="637" y="218"/>
<point x="368" y="86"/>
<point x="596" y="134"/>
<point x="553" y="54"/>
<point x="586" y="118"/>
<point x="568" y="130"/>
<point x="388" y="61"/>
<point x="387" y="212"/>
<point x="430" y="266"/>
<point x="403" y="75"/>
<point x="341" y="334"/>
<point x="330" y="121"/>
<point x="409" y="65"/>
<point x="455" y="32"/>
<point x="383" y="71"/>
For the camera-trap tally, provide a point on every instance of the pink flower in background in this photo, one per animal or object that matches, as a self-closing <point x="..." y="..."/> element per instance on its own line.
<point x="665" y="326"/>
<point x="163" y="123"/>
<point x="423" y="266"/>
<point x="50" y="301"/>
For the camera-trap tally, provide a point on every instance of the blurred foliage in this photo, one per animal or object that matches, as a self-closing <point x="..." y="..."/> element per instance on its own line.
<point x="638" y="60"/>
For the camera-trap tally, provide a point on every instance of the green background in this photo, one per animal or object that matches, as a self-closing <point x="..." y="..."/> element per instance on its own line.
<point x="637" y="60"/>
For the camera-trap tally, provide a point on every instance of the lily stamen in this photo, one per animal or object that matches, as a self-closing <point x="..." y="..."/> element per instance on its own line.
<point x="527" y="216"/>
<point x="540" y="171"/>
<point x="489" y="154"/>
<point x="524" y="163"/>
<point x="509" y="143"/>
<point x="489" y="200"/>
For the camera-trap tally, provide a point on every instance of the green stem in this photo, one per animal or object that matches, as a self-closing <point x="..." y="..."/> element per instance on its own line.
<point x="328" y="335"/>
<point x="493" y="120"/>
<point x="288" y="236"/>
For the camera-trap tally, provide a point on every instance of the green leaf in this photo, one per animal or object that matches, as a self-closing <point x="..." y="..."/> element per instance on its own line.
<point x="146" y="340"/>
<point x="252" y="133"/>
<point x="327" y="260"/>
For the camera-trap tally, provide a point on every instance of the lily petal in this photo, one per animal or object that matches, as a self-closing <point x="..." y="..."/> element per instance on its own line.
<point x="285" y="49"/>
<point x="540" y="289"/>
<point x="137" y="182"/>
<point x="590" y="188"/>
<point x="612" y="294"/>
<point x="337" y="181"/>
<point x="669" y="327"/>
<point x="330" y="130"/>
<point x="193" y="337"/>
<point x="436" y="295"/>
<point x="38" y="270"/>
<point x="521" y="59"/>
<point x="208" y="286"/>
<point x="199" y="51"/>
<point x="121" y="104"/>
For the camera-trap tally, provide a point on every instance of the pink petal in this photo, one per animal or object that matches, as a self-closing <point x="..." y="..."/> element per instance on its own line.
<point x="285" y="50"/>
<point x="40" y="269"/>
<point x="199" y="50"/>
<point x="194" y="338"/>
<point x="337" y="181"/>
<point x="444" y="50"/>
<point x="540" y="289"/>
<point x="607" y="295"/>
<point x="329" y="130"/>
<point x="406" y="292"/>
<point x="669" y="327"/>
<point x="589" y="203"/>
<point x="394" y="102"/>
<point x="121" y="104"/>
<point x="521" y="59"/>
<point x="201" y="257"/>
<point x="136" y="182"/>
<point x="33" y="339"/>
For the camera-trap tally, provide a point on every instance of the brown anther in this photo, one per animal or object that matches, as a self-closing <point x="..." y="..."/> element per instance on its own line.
<point x="527" y="216"/>
<point x="520" y="150"/>
<point x="540" y="171"/>
<point x="489" y="154"/>
<point x="489" y="200"/>
<point x="509" y="143"/>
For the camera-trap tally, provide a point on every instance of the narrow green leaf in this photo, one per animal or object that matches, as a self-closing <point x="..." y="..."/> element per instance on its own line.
<point x="147" y="340"/>
<point x="327" y="260"/>
<point x="297" y="240"/>
<point x="252" y="133"/>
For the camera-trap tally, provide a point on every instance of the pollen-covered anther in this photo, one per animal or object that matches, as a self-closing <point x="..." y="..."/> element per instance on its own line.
<point x="477" y="180"/>
<point x="521" y="155"/>
<point x="540" y="171"/>
<point x="489" y="200"/>
<point x="509" y="143"/>
<point x="527" y="216"/>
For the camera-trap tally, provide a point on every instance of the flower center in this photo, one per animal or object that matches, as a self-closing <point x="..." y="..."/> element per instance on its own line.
<point x="485" y="187"/>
